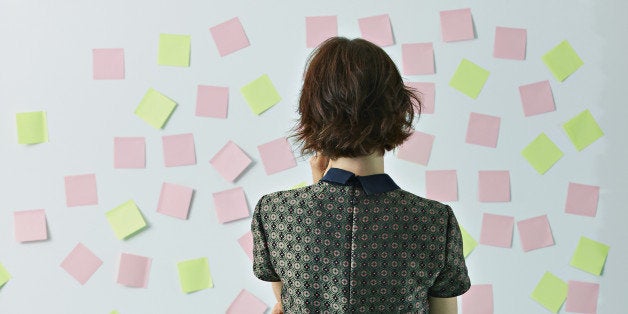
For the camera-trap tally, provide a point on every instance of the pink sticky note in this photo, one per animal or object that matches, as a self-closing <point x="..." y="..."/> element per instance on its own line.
<point x="536" y="98"/>
<point x="494" y="186"/>
<point x="377" y="29"/>
<point x="246" y="302"/>
<point x="230" y="161"/>
<point x="510" y="43"/>
<point x="441" y="185"/>
<point x="81" y="263"/>
<point x="231" y="205"/>
<point x="229" y="36"/>
<point x="179" y="150"/>
<point x="417" y="58"/>
<point x="246" y="242"/>
<point x="497" y="230"/>
<point x="133" y="270"/>
<point x="320" y="28"/>
<point x="212" y="101"/>
<point x="582" y="199"/>
<point x="277" y="155"/>
<point x="81" y="190"/>
<point x="129" y="152"/>
<point x="582" y="297"/>
<point x="175" y="200"/>
<point x="478" y="300"/>
<point x="535" y="233"/>
<point x="417" y="148"/>
<point x="426" y="92"/>
<point x="108" y="64"/>
<point x="456" y="25"/>
<point x="30" y="225"/>
<point x="483" y="130"/>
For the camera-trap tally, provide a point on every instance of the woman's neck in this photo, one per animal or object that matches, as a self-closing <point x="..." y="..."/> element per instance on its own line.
<point x="360" y="166"/>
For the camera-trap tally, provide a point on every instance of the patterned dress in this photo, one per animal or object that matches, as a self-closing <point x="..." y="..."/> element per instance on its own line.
<point x="357" y="244"/>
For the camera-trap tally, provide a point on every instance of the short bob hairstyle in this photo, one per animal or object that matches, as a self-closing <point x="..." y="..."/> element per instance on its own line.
<point x="353" y="101"/>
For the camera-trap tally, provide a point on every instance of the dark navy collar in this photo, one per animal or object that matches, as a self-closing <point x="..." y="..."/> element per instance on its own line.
<point x="372" y="184"/>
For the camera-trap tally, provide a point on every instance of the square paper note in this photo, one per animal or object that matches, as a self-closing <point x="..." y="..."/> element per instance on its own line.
<point x="133" y="270"/>
<point x="535" y="233"/>
<point x="456" y="25"/>
<point x="230" y="161"/>
<point x="478" y="300"/>
<point x="590" y="256"/>
<point x="582" y="199"/>
<point x="4" y="275"/>
<point x="229" y="36"/>
<point x="212" y="101"/>
<point x="320" y="28"/>
<point x="194" y="275"/>
<point x="179" y="150"/>
<point x="536" y="98"/>
<point x="494" y="186"/>
<point x="246" y="302"/>
<point x="277" y="155"/>
<point x="81" y="190"/>
<point x="129" y="152"/>
<point x="246" y="242"/>
<point x="469" y="78"/>
<point x="562" y="61"/>
<point x="108" y="64"/>
<point x="231" y="205"/>
<point x="32" y="127"/>
<point x="497" y="230"/>
<point x="510" y="43"/>
<point x="30" y="225"/>
<point x="550" y="292"/>
<point x="542" y="153"/>
<point x="126" y="220"/>
<point x="417" y="148"/>
<point x="441" y="185"/>
<point x="483" y="130"/>
<point x="81" y="263"/>
<point x="175" y="200"/>
<point x="468" y="242"/>
<point x="583" y="130"/>
<point x="155" y="108"/>
<point x="426" y="92"/>
<point x="260" y="94"/>
<point x="417" y="58"/>
<point x="174" y="50"/>
<point x="582" y="297"/>
<point x="377" y="30"/>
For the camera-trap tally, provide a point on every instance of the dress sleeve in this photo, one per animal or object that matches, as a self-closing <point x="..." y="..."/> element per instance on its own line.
<point x="453" y="279"/>
<point x="262" y="265"/>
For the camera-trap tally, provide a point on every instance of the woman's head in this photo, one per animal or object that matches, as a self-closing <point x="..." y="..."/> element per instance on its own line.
<point x="353" y="101"/>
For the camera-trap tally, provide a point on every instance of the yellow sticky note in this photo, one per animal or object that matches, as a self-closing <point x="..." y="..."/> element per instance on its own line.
<point x="174" y="50"/>
<point x="542" y="153"/>
<point x="550" y="292"/>
<point x="299" y="185"/>
<point x="562" y="61"/>
<point x="469" y="78"/>
<point x="194" y="275"/>
<point x="155" y="108"/>
<point x="260" y="94"/>
<point x="32" y="127"/>
<point x="590" y="256"/>
<point x="4" y="276"/>
<point x="126" y="220"/>
<point x="468" y="242"/>
<point x="583" y="130"/>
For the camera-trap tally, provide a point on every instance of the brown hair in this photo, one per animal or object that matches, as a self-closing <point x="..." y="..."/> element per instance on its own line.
<point x="353" y="101"/>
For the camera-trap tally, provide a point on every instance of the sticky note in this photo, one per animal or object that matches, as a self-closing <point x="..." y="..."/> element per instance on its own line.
<point x="583" y="130"/>
<point x="81" y="263"/>
<point x="179" y="150"/>
<point x="212" y="101"/>
<point x="590" y="256"/>
<point x="536" y="98"/>
<point x="483" y="130"/>
<point x="510" y="43"/>
<point x="129" y="152"/>
<point x="231" y="205"/>
<point x="456" y="25"/>
<point x="478" y="300"/>
<point x="230" y="161"/>
<point x="81" y="190"/>
<point x="582" y="297"/>
<point x="550" y="292"/>
<point x="133" y="270"/>
<point x="126" y="220"/>
<point x="260" y="94"/>
<point x="497" y="230"/>
<point x="542" y="153"/>
<point x="246" y="302"/>
<point x="417" y="148"/>
<point x="494" y="186"/>
<point x="320" y="28"/>
<point x="441" y="185"/>
<point x="155" y="108"/>
<point x="417" y="58"/>
<point x="4" y="275"/>
<point x="468" y="242"/>
<point x="299" y="185"/>
<point x="469" y="78"/>
<point x="582" y="199"/>
<point x="277" y="155"/>
<point x="229" y="36"/>
<point x="175" y="200"/>
<point x="377" y="29"/>
<point x="426" y="91"/>
<point x="32" y="127"/>
<point x="174" y="50"/>
<point x="562" y="61"/>
<point x="246" y="242"/>
<point x="535" y="233"/>
<point x="194" y="275"/>
<point x="30" y="225"/>
<point x="108" y="64"/>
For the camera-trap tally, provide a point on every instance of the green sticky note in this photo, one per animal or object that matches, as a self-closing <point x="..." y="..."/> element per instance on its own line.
<point x="260" y="94"/>
<point x="542" y="153"/>
<point x="562" y="61"/>
<point x="590" y="256"/>
<point x="155" y="108"/>
<point x="299" y="185"/>
<point x="4" y="276"/>
<point x="469" y="78"/>
<point x="114" y="312"/>
<point x="550" y="292"/>
<point x="174" y="50"/>
<point x="32" y="127"/>
<point x="468" y="242"/>
<point x="194" y="275"/>
<point x="583" y="130"/>
<point x="126" y="220"/>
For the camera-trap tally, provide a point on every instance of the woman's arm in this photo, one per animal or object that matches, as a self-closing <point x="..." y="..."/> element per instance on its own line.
<point x="443" y="305"/>
<point x="277" y="285"/>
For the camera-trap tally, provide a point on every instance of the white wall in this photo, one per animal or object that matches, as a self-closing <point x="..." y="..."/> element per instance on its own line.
<point x="45" y="64"/>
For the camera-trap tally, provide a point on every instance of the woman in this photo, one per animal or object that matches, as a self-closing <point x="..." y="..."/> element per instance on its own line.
<point x="354" y="241"/>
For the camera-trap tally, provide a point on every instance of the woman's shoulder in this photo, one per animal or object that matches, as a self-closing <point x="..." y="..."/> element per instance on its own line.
<point x="284" y="196"/>
<point x="421" y="202"/>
